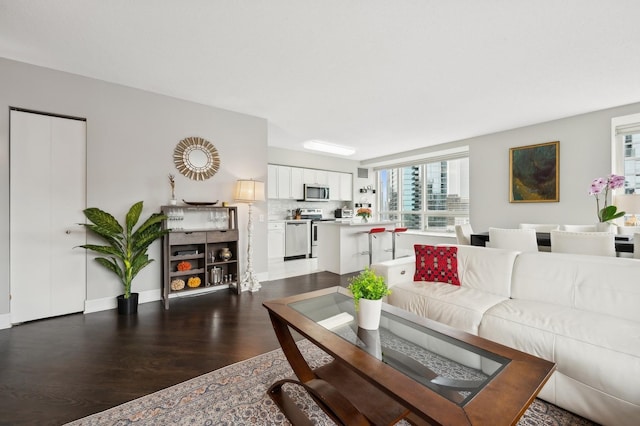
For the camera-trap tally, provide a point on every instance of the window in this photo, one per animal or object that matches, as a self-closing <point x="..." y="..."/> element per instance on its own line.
<point x="430" y="195"/>
<point x="626" y="151"/>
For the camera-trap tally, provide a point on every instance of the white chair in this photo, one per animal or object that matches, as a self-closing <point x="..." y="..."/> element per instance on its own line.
<point x="513" y="239"/>
<point x="636" y="245"/>
<point x="540" y="227"/>
<point x="593" y="243"/>
<point x="578" y="228"/>
<point x="463" y="233"/>
<point x="628" y="230"/>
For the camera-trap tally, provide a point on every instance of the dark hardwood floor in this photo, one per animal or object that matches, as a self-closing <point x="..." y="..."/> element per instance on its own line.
<point x="60" y="369"/>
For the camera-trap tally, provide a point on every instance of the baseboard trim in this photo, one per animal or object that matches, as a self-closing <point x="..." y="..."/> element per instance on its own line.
<point x="106" y="303"/>
<point x="5" y="321"/>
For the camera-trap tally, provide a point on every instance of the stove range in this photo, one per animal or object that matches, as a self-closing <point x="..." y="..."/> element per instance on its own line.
<point x="316" y="216"/>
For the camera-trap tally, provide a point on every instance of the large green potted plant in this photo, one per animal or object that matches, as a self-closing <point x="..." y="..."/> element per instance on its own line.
<point x="368" y="289"/>
<point x="126" y="249"/>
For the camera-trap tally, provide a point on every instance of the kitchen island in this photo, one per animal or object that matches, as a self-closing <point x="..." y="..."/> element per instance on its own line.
<point x="343" y="246"/>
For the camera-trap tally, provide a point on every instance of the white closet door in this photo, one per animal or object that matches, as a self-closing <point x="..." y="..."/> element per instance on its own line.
<point x="47" y="195"/>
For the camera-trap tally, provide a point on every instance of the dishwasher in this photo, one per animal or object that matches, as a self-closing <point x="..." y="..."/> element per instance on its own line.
<point x="296" y="236"/>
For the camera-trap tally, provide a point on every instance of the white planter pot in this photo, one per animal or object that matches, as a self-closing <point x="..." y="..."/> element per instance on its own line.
<point x="369" y="314"/>
<point x="605" y="227"/>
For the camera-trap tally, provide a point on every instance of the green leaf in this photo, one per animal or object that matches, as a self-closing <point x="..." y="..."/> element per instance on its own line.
<point x="610" y="213"/>
<point x="133" y="215"/>
<point x="103" y="220"/>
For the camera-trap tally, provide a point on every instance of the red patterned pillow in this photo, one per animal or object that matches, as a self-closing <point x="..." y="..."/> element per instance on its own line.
<point x="439" y="264"/>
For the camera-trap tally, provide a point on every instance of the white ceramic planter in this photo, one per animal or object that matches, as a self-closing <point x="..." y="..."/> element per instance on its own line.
<point x="369" y="314"/>
<point x="605" y="227"/>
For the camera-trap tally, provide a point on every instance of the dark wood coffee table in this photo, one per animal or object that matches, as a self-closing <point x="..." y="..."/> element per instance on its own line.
<point x="411" y="368"/>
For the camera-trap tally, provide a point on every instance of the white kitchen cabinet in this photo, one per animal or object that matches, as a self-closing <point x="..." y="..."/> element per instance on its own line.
<point x="284" y="182"/>
<point x="272" y="178"/>
<point x="340" y="186"/>
<point x="314" y="176"/>
<point x="334" y="186"/>
<point x="346" y="187"/>
<point x="297" y="183"/>
<point x="287" y="182"/>
<point x="275" y="240"/>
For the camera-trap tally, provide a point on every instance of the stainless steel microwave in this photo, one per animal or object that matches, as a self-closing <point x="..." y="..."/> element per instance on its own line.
<point x="316" y="193"/>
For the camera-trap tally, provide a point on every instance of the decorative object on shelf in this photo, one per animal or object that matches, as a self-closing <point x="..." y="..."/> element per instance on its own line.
<point x="184" y="266"/>
<point x="172" y="182"/>
<point x="216" y="276"/>
<point x="533" y="173"/>
<point x="368" y="289"/>
<point x="607" y="212"/>
<point x="126" y="252"/>
<point x="193" y="282"/>
<point x="200" y="203"/>
<point x="196" y="158"/>
<point x="225" y="254"/>
<point x="249" y="191"/>
<point x="177" y="284"/>
<point x="364" y="213"/>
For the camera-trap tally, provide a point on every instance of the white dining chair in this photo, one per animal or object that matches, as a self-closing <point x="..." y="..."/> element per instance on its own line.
<point x="513" y="239"/>
<point x="636" y="245"/>
<point x="593" y="243"/>
<point x="540" y="227"/>
<point x="628" y="230"/>
<point x="578" y="228"/>
<point x="463" y="233"/>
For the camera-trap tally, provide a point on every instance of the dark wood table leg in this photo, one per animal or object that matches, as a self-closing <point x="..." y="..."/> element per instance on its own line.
<point x="328" y="398"/>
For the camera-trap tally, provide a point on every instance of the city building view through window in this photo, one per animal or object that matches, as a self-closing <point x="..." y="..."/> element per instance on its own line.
<point x="632" y="163"/>
<point x="431" y="196"/>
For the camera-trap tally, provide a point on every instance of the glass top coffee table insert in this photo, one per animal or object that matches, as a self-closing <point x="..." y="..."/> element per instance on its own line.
<point x="422" y="370"/>
<point x="452" y="368"/>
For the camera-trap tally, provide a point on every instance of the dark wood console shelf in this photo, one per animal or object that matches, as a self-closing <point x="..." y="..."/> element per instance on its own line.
<point x="198" y="236"/>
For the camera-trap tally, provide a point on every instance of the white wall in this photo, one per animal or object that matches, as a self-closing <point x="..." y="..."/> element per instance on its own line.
<point x="131" y="135"/>
<point x="585" y="153"/>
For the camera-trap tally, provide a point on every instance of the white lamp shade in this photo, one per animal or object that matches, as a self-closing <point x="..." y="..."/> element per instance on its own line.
<point x="249" y="191"/>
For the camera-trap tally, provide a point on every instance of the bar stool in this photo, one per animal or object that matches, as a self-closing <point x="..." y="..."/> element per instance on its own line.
<point x="395" y="232"/>
<point x="371" y="233"/>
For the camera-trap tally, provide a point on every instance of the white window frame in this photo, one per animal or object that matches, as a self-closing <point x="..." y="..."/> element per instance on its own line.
<point x="424" y="213"/>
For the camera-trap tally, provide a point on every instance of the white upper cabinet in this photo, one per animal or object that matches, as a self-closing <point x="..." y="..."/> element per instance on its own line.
<point x="272" y="177"/>
<point x="334" y="186"/>
<point x="288" y="182"/>
<point x="346" y="186"/>
<point x="284" y="182"/>
<point x="297" y="183"/>
<point x="314" y="176"/>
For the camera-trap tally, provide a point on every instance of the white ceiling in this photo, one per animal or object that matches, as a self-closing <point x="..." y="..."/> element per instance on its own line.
<point x="382" y="76"/>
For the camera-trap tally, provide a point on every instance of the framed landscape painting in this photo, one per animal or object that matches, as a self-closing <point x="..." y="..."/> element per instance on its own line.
<point x="533" y="173"/>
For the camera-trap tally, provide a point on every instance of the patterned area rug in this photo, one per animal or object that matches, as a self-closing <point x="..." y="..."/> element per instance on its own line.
<point x="236" y="395"/>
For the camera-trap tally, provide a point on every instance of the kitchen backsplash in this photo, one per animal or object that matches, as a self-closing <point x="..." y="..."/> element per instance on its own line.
<point x="280" y="209"/>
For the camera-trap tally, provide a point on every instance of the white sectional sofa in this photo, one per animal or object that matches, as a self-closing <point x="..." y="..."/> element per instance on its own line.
<point x="581" y="312"/>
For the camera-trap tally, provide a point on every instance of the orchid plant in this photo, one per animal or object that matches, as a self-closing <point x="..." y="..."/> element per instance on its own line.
<point x="607" y="212"/>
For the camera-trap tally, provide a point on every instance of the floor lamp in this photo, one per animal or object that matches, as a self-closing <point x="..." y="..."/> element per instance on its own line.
<point x="249" y="191"/>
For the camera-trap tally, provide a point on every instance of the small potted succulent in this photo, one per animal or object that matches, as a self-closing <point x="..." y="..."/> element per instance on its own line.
<point x="368" y="289"/>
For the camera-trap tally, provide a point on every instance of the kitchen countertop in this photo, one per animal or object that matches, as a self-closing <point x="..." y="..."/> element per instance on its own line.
<point x="359" y="223"/>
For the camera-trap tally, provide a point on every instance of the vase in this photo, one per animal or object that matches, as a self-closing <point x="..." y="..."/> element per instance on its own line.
<point x="605" y="227"/>
<point x="225" y="254"/>
<point x="369" y="313"/>
<point x="365" y="219"/>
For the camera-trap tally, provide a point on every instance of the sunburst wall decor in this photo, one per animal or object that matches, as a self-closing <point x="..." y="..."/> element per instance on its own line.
<point x="196" y="158"/>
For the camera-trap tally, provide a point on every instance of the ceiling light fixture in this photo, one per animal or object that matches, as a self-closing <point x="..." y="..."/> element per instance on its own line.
<point x="329" y="147"/>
